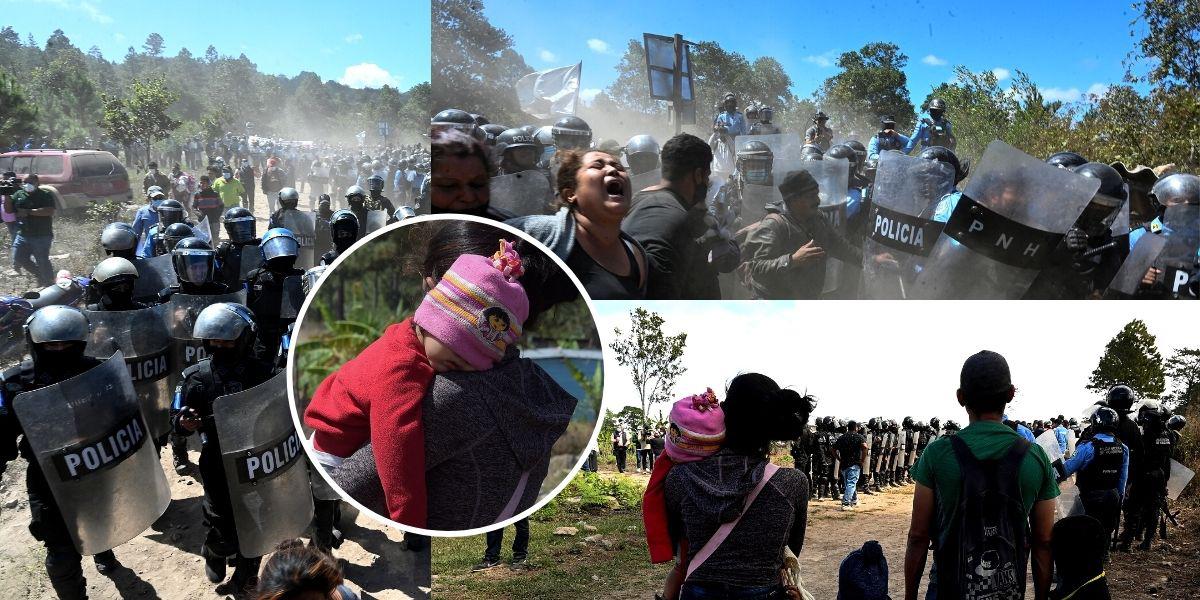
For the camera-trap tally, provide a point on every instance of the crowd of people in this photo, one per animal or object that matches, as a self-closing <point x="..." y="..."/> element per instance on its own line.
<point x="986" y="496"/>
<point x="754" y="212"/>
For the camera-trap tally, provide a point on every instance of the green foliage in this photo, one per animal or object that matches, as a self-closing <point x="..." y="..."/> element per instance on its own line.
<point x="1132" y="358"/>
<point x="872" y="84"/>
<point x="474" y="65"/>
<point x="18" y="117"/>
<point x="1183" y="370"/>
<point x="593" y="492"/>
<point x="1171" y="45"/>
<point x="654" y="358"/>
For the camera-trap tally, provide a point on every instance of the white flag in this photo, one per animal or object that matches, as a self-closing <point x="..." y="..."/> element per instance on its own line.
<point x="550" y="93"/>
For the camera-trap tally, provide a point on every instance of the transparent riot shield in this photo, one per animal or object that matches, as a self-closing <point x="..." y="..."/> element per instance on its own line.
<point x="251" y="259"/>
<point x="1068" y="503"/>
<point x="1179" y="479"/>
<point x="642" y="181"/>
<point x="785" y="147"/>
<point x="833" y="179"/>
<point x="154" y="275"/>
<point x="524" y="193"/>
<point x="321" y="489"/>
<point x="302" y="225"/>
<point x="755" y="199"/>
<point x="1129" y="277"/>
<point x="376" y="220"/>
<point x="1049" y="442"/>
<point x="1005" y="227"/>
<point x="264" y="465"/>
<point x="94" y="448"/>
<point x="1179" y="257"/>
<point x="899" y="224"/>
<point x="179" y="317"/>
<point x="292" y="297"/>
<point x="324" y="237"/>
<point x="143" y="340"/>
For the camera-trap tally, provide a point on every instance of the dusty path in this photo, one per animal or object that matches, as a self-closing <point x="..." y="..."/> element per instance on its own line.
<point x="164" y="562"/>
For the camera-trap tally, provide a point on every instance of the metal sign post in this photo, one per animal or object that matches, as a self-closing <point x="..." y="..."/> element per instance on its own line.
<point x="668" y="66"/>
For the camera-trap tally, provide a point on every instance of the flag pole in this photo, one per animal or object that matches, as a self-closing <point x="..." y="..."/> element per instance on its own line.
<point x="578" y="88"/>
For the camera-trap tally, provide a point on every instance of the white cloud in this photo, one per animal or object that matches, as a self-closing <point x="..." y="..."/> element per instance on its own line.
<point x="588" y="95"/>
<point x="354" y="38"/>
<point x="1055" y="94"/>
<point x="933" y="61"/>
<point x="598" y="46"/>
<point x="546" y="55"/>
<point x="120" y="37"/>
<point x="823" y="60"/>
<point x="367" y="75"/>
<point x="1097" y="89"/>
<point x="85" y="7"/>
<point x="1001" y="73"/>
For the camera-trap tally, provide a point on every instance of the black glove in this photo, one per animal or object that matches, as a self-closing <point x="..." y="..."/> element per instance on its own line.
<point x="1076" y="240"/>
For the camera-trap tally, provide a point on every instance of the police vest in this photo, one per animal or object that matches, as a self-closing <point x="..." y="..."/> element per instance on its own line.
<point x="1104" y="472"/>
<point x="939" y="132"/>
<point x="889" y="142"/>
<point x="1158" y="451"/>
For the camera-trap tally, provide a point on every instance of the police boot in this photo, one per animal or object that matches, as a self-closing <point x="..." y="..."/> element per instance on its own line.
<point x="875" y="484"/>
<point x="106" y="562"/>
<point x="908" y="477"/>
<point x="66" y="574"/>
<point x="244" y="582"/>
<point x="179" y="454"/>
<point x="214" y="568"/>
<point x="864" y="485"/>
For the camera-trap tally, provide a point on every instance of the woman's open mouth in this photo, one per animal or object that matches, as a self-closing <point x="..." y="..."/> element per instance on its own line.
<point x="615" y="188"/>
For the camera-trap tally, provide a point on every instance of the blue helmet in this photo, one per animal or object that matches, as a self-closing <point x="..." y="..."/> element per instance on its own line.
<point x="279" y="242"/>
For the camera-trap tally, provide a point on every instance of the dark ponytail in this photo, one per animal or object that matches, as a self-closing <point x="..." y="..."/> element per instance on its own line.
<point x="758" y="412"/>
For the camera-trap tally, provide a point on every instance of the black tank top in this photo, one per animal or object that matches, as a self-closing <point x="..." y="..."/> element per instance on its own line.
<point x="602" y="284"/>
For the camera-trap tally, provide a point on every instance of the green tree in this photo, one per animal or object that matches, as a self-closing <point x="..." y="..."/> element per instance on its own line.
<point x="1132" y="358"/>
<point x="1183" y="370"/>
<point x="1171" y="47"/>
<point x="474" y="65"/>
<point x="653" y="357"/>
<point x="18" y="117"/>
<point x="871" y="84"/>
<point x="154" y="45"/>
<point x="210" y="54"/>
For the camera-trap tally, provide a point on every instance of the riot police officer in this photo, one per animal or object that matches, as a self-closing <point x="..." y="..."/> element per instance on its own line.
<point x="113" y="281"/>
<point x="118" y="239"/>
<point x="266" y="289"/>
<point x="289" y="199"/>
<point x="356" y="198"/>
<point x="764" y="126"/>
<point x="240" y="229"/>
<point x="1102" y="463"/>
<point x="518" y="151"/>
<point x="343" y="231"/>
<point x="375" y="198"/>
<point x="228" y="332"/>
<point x="641" y="153"/>
<point x="753" y="166"/>
<point x="819" y="134"/>
<point x="820" y="459"/>
<point x="452" y="118"/>
<point x="1120" y="398"/>
<point x="933" y="129"/>
<point x="57" y="337"/>
<point x="170" y="212"/>
<point x="571" y="133"/>
<point x="887" y="138"/>
<point x="195" y="265"/>
<point x="1172" y="191"/>
<point x="1156" y="469"/>
<point x="801" y="451"/>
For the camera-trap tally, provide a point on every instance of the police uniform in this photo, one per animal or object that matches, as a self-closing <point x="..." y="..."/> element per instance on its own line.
<point x="229" y="257"/>
<point x="46" y="524"/>
<point x="1102" y="465"/>
<point x="821" y="136"/>
<point x="1156" y="466"/>
<point x="264" y="295"/>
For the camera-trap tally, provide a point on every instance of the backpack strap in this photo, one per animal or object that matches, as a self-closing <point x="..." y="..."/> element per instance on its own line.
<point x="725" y="529"/>
<point x="510" y="509"/>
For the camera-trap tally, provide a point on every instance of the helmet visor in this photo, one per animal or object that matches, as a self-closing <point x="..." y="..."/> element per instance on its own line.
<point x="279" y="246"/>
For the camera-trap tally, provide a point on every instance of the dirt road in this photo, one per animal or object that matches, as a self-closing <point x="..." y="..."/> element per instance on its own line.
<point x="164" y="562"/>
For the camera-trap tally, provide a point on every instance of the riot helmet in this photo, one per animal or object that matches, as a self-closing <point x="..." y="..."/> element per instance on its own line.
<point x="452" y="118"/>
<point x="755" y="161"/>
<point x="239" y="224"/>
<point x="170" y="212"/>
<point x="343" y="229"/>
<point x="937" y="108"/>
<point x="729" y="102"/>
<point x="118" y="239"/>
<point x="356" y="194"/>
<point x="176" y="232"/>
<point x="811" y="152"/>
<point x="115" y="277"/>
<point x="952" y="426"/>
<point x="375" y="184"/>
<point x="518" y="150"/>
<point x="873" y="423"/>
<point x="57" y="336"/>
<point x="225" y="322"/>
<point x="289" y="197"/>
<point x="1150" y="414"/>
<point x="1100" y="213"/>
<point x="752" y="112"/>
<point x="571" y="133"/>
<point x="491" y="132"/>
<point x="1176" y="422"/>
<point x="765" y="114"/>
<point x="820" y="117"/>
<point x="1066" y="160"/>
<point x="194" y="260"/>
<point x="1105" y="420"/>
<point x="907" y="423"/>
<point x="935" y="424"/>
<point x="480" y="120"/>
<point x="1120" y="398"/>
<point x="1172" y="190"/>
<point x="946" y="155"/>
<point x="279" y="248"/>
<point x="846" y="152"/>
<point x="641" y="152"/>
<point x="403" y="212"/>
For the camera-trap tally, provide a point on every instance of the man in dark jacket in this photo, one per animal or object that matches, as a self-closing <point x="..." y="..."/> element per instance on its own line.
<point x="785" y="251"/>
<point x="155" y="177"/>
<point x="668" y="220"/>
<point x="246" y="175"/>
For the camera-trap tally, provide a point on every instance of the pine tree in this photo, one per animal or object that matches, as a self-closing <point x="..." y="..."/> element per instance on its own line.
<point x="1132" y="358"/>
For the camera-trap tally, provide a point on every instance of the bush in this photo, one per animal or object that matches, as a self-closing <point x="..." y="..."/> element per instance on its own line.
<point x="593" y="493"/>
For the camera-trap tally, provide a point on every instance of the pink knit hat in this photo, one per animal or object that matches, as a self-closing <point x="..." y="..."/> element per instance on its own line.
<point x="478" y="308"/>
<point x="697" y="428"/>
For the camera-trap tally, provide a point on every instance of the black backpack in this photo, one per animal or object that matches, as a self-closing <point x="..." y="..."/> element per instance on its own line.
<point x="984" y="556"/>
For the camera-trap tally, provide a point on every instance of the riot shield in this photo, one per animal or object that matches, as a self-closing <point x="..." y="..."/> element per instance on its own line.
<point x="1068" y="503"/>
<point x="264" y="466"/>
<point x="154" y="275"/>
<point x="375" y="220"/>
<point x="324" y="237"/>
<point x="95" y="451"/>
<point x="302" y="225"/>
<point x="1005" y="227"/>
<point x="1049" y="442"/>
<point x="833" y="178"/>
<point x="1179" y="478"/>
<point x="179" y="317"/>
<point x="524" y="193"/>
<point x="755" y="199"/>
<point x="251" y="259"/>
<point x="292" y="297"/>
<point x="642" y="181"/>
<point x="906" y="190"/>
<point x="144" y="342"/>
<point x="785" y="147"/>
<point x="1140" y="259"/>
<point x="1178" y="259"/>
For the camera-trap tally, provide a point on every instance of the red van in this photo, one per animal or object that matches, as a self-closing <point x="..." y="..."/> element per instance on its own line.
<point x="80" y="177"/>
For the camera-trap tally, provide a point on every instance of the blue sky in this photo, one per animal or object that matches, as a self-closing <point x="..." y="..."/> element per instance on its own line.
<point x="1068" y="47"/>
<point x="373" y="43"/>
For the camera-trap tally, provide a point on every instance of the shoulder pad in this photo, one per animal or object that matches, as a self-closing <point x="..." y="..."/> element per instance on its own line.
<point x="195" y="369"/>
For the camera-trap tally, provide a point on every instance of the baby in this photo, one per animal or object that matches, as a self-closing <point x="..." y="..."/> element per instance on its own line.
<point x="465" y="323"/>
<point x="697" y="430"/>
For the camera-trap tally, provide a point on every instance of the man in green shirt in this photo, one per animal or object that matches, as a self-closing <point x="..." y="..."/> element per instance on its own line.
<point x="231" y="190"/>
<point x="985" y="387"/>
<point x="35" y="216"/>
